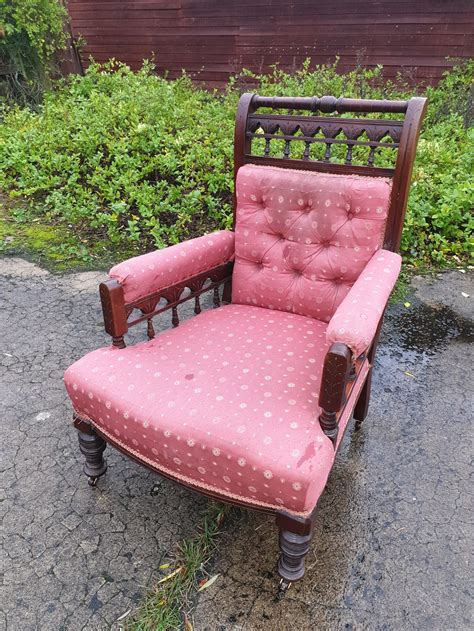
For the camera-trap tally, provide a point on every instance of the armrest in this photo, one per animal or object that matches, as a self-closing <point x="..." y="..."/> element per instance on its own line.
<point x="333" y="385"/>
<point x="143" y="275"/>
<point x="356" y="319"/>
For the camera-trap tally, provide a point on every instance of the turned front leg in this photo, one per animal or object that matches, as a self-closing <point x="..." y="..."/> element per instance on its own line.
<point x="92" y="446"/>
<point x="295" y="536"/>
<point x="293" y="550"/>
<point x="362" y="405"/>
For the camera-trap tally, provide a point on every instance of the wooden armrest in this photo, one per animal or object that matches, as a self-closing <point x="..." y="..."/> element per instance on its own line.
<point x="141" y="282"/>
<point x="117" y="310"/>
<point x="337" y="365"/>
<point x="113" y="310"/>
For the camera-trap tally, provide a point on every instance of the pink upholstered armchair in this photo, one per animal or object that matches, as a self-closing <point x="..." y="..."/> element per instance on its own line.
<point x="248" y="402"/>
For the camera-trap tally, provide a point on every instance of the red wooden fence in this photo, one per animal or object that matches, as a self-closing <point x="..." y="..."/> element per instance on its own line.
<point x="212" y="39"/>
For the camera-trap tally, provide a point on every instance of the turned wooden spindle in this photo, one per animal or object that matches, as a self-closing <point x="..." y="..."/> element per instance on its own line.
<point x="215" y="297"/>
<point x="197" y="305"/>
<point x="327" y="153"/>
<point x="174" y="317"/>
<point x="371" y="158"/>
<point x="348" y="158"/>
<point x="150" y="331"/>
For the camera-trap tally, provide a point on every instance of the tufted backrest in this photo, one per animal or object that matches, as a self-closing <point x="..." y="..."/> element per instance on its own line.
<point x="302" y="238"/>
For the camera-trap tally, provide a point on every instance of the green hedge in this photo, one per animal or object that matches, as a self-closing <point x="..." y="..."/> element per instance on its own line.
<point x="33" y="32"/>
<point x="135" y="157"/>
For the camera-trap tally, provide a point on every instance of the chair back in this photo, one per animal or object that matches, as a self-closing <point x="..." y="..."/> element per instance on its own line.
<point x="311" y="204"/>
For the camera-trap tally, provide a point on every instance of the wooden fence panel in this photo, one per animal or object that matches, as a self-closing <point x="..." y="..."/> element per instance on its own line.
<point x="212" y="39"/>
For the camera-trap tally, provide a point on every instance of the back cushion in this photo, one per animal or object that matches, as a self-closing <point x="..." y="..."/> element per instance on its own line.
<point x="302" y="239"/>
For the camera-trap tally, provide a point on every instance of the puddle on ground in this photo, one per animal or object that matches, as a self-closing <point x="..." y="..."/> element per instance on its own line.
<point x="417" y="333"/>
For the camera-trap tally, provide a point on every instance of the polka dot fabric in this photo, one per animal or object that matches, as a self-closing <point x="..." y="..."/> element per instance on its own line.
<point x="228" y="402"/>
<point x="302" y="239"/>
<point x="356" y="319"/>
<point x="151" y="272"/>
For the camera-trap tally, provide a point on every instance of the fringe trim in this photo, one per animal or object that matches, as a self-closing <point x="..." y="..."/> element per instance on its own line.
<point x="190" y="481"/>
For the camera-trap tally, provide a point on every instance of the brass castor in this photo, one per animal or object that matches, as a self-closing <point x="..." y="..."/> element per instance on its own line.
<point x="293" y="548"/>
<point x="283" y="588"/>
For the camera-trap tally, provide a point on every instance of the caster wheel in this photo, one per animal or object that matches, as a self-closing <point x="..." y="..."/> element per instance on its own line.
<point x="283" y="588"/>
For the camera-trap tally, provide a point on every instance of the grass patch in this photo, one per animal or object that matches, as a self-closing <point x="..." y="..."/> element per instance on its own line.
<point x="402" y="286"/>
<point x="54" y="245"/>
<point x="20" y="233"/>
<point x="167" y="606"/>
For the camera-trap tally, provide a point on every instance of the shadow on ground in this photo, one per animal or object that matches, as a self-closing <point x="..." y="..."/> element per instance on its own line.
<point x="391" y="547"/>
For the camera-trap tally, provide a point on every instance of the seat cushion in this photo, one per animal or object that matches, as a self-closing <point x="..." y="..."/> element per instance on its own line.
<point x="302" y="239"/>
<point x="227" y="402"/>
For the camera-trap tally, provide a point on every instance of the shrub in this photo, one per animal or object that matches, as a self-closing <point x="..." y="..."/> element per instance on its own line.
<point x="33" y="32"/>
<point x="136" y="157"/>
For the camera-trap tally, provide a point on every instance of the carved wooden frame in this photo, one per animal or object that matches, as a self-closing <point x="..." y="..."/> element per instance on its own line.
<point x="342" y="372"/>
<point x="117" y="312"/>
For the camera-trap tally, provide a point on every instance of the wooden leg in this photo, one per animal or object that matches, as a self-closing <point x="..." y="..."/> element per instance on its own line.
<point x="295" y="540"/>
<point x="362" y="405"/>
<point x="293" y="549"/>
<point x="93" y="446"/>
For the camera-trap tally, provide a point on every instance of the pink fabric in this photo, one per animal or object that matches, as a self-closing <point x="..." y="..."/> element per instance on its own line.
<point x="356" y="319"/>
<point x="228" y="401"/>
<point x="302" y="239"/>
<point x="151" y="272"/>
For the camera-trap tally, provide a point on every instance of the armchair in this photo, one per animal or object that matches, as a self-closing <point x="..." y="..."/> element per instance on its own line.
<point x="248" y="402"/>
